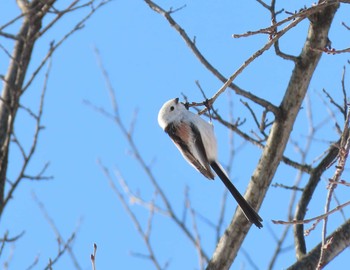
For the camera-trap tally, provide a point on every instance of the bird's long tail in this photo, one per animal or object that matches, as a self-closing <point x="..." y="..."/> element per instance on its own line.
<point x="248" y="211"/>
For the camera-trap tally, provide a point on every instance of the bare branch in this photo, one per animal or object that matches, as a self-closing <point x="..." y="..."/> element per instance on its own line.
<point x="301" y="15"/>
<point x="272" y="154"/>
<point x="198" y="245"/>
<point x="320" y="217"/>
<point x="93" y="257"/>
<point x="12" y="21"/>
<point x="264" y="4"/>
<point x="345" y="25"/>
<point x="227" y="82"/>
<point x="278" y="249"/>
<point x="60" y="253"/>
<point x="340" y="241"/>
<point x="134" y="219"/>
<point x="343" y="155"/>
<point x="341" y="109"/>
<point x="339" y="182"/>
<point x="59" y="237"/>
<point x="287" y="187"/>
<point x="306" y="196"/>
<point x="6" y="239"/>
<point x="333" y="51"/>
<point x="27" y="157"/>
<point x="136" y="153"/>
<point x="55" y="46"/>
<point x="304" y="167"/>
<point x="34" y="263"/>
<point x="345" y="98"/>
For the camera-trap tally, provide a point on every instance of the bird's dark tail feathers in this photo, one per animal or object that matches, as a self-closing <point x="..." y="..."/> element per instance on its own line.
<point x="248" y="211"/>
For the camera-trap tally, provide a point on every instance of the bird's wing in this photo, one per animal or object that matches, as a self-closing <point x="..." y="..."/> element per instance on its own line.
<point x="199" y="148"/>
<point x="181" y="134"/>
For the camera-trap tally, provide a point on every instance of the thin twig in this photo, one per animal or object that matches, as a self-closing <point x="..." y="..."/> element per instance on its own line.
<point x="134" y="219"/>
<point x="136" y="153"/>
<point x="93" y="257"/>
<point x="198" y="245"/>
<point x="28" y="156"/>
<point x="227" y="82"/>
<point x="301" y="15"/>
<point x="60" y="252"/>
<point x="343" y="155"/>
<point x="56" y="45"/>
<point x="304" y="167"/>
<point x="58" y="235"/>
<point x="305" y="221"/>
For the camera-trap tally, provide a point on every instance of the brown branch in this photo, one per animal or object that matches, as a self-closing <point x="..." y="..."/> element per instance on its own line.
<point x="55" y="46"/>
<point x="27" y="157"/>
<point x="34" y="263"/>
<point x="136" y="199"/>
<point x="264" y="4"/>
<point x="332" y="101"/>
<point x="93" y="257"/>
<point x="309" y="189"/>
<point x="61" y="252"/>
<point x="332" y="50"/>
<point x="269" y="161"/>
<point x="340" y="241"/>
<point x="6" y="239"/>
<point x="345" y="98"/>
<point x="303" y="167"/>
<point x="58" y="235"/>
<point x="303" y="155"/>
<point x="260" y="125"/>
<point x="59" y="15"/>
<point x="345" y="25"/>
<point x="320" y="217"/>
<point x="339" y="182"/>
<point x="331" y="114"/>
<point x="133" y="217"/>
<point x="255" y="55"/>
<point x="277" y="43"/>
<point x="278" y="248"/>
<point x="295" y="187"/>
<point x="12" y="21"/>
<point x="14" y="81"/>
<point x="227" y="82"/>
<point x="301" y="15"/>
<point x="343" y="155"/>
<point x="33" y="13"/>
<point x="198" y="244"/>
<point x="250" y="259"/>
<point x="136" y="153"/>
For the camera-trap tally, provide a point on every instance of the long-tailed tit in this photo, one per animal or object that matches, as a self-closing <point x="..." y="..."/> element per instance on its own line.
<point x="196" y="141"/>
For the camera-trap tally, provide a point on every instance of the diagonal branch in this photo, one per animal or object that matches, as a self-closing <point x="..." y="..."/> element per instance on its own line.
<point x="272" y="154"/>
<point x="227" y="82"/>
<point x="340" y="241"/>
<point x="138" y="156"/>
<point x="300" y="212"/>
<point x="14" y="80"/>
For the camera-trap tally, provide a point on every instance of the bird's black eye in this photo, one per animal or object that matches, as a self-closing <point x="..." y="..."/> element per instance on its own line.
<point x="172" y="108"/>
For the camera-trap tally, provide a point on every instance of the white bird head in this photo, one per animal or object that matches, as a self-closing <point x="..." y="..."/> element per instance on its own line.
<point x="172" y="110"/>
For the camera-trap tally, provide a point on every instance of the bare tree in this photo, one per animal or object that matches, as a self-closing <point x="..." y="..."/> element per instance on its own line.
<point x="272" y="137"/>
<point x="35" y="18"/>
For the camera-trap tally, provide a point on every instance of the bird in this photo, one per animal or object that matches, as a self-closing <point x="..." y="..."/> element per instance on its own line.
<point x="195" y="139"/>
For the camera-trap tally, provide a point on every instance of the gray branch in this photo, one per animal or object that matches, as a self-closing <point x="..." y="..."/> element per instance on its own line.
<point x="340" y="240"/>
<point x="234" y="235"/>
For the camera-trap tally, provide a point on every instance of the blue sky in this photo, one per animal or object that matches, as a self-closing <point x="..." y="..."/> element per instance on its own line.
<point x="148" y="63"/>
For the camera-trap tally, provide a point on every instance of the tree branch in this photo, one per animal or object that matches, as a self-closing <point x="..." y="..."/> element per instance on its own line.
<point x="340" y="241"/>
<point x="272" y="154"/>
